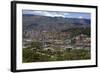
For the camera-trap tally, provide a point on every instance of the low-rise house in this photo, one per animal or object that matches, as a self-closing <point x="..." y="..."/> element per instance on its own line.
<point x="82" y="41"/>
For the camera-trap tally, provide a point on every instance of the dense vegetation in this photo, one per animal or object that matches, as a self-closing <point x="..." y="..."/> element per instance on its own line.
<point x="38" y="55"/>
<point x="76" y="31"/>
<point x="35" y="52"/>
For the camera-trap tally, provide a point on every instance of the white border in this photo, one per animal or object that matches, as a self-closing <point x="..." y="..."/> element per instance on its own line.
<point x="37" y="65"/>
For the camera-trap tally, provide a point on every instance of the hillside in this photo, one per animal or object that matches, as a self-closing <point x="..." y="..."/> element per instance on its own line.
<point x="31" y="22"/>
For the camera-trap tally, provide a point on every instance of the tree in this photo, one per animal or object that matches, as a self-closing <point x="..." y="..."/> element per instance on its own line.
<point x="36" y="45"/>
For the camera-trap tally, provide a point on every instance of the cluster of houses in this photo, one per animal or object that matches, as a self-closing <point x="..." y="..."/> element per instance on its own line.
<point x="61" y="41"/>
<point x="82" y="42"/>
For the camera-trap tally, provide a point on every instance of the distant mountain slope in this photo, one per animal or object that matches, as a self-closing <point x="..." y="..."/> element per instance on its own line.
<point x="36" y="22"/>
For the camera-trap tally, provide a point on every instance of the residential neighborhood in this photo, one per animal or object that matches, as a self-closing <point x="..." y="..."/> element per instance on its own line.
<point x="47" y="38"/>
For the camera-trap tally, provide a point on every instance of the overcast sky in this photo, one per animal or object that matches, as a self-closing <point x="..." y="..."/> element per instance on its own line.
<point x="58" y="14"/>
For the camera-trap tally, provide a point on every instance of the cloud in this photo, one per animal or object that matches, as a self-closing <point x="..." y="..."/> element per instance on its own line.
<point x="58" y="14"/>
<point x="80" y="17"/>
<point x="47" y="13"/>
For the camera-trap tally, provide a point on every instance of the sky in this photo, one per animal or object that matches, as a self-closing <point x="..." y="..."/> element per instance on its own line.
<point x="58" y="14"/>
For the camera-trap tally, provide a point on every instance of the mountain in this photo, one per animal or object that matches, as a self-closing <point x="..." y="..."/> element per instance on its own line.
<point x="37" y="22"/>
<point x="32" y="24"/>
